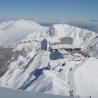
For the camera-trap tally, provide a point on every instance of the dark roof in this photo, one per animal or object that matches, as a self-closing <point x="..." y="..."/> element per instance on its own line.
<point x="67" y="40"/>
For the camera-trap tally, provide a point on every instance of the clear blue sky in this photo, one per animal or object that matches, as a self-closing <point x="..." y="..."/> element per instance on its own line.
<point x="49" y="9"/>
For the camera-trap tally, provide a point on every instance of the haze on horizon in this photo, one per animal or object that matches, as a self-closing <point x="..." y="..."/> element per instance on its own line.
<point x="49" y="10"/>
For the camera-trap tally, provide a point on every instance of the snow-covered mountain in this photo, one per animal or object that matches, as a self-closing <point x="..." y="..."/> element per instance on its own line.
<point x="11" y="32"/>
<point x="39" y="68"/>
<point x="81" y="37"/>
<point x="92" y="48"/>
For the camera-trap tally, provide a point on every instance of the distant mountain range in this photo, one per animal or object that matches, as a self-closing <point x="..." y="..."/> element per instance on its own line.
<point x="86" y="24"/>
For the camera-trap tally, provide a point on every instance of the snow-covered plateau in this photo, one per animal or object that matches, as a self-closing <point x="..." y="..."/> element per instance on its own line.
<point x="61" y="59"/>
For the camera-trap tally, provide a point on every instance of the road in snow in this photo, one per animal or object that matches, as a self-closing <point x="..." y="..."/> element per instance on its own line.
<point x="71" y="81"/>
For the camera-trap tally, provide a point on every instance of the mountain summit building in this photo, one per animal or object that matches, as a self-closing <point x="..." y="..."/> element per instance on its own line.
<point x="63" y="43"/>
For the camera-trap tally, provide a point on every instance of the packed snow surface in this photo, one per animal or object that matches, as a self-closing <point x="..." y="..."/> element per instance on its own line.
<point x="86" y="78"/>
<point x="9" y="93"/>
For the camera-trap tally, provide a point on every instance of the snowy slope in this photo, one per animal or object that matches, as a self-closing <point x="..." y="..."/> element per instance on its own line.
<point x="9" y="93"/>
<point x="11" y="32"/>
<point x="87" y="84"/>
<point x="33" y="68"/>
<point x="81" y="37"/>
<point x="92" y="48"/>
